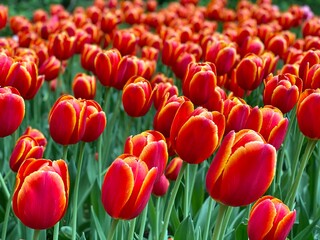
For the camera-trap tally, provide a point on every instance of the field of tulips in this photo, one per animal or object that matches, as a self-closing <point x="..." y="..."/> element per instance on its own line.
<point x="131" y="120"/>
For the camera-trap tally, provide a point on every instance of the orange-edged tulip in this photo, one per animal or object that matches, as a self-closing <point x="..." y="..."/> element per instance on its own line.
<point x="196" y="133"/>
<point x="82" y="38"/>
<point x="19" y="23"/>
<point x="41" y="194"/>
<point x="127" y="187"/>
<point x="307" y="113"/>
<point x="242" y="169"/>
<point x="312" y="79"/>
<point x="3" y="16"/>
<point x="277" y="43"/>
<point x="309" y="59"/>
<point x="96" y="121"/>
<point x="37" y="135"/>
<point x="39" y="15"/>
<point x="5" y="64"/>
<point x="62" y="46"/>
<point x="26" y="147"/>
<point x="180" y="66"/>
<point x="24" y="76"/>
<point x="50" y="68"/>
<point x="106" y="65"/>
<point x="270" y="218"/>
<point x="161" y="90"/>
<point x="149" y="146"/>
<point x="139" y="89"/>
<point x="250" y="72"/>
<point x="282" y="91"/>
<point x="173" y="168"/>
<point x="12" y="110"/>
<point x="125" y="41"/>
<point x="161" y="186"/>
<point x="199" y="82"/>
<point x="274" y="126"/>
<point x="67" y="120"/>
<point x="164" y="116"/>
<point x="216" y="100"/>
<point x="239" y="115"/>
<point x="84" y="86"/>
<point x="109" y="22"/>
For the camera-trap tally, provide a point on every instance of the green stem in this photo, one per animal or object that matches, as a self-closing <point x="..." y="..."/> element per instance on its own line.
<point x="186" y="191"/>
<point x="56" y="231"/>
<point x="296" y="158"/>
<point x="5" y="188"/>
<point x="131" y="229"/>
<point x="36" y="234"/>
<point x="221" y="222"/>
<point x="65" y="152"/>
<point x="76" y="191"/>
<point x="171" y="202"/>
<point x="316" y="188"/>
<point x="6" y="218"/>
<point x="113" y="229"/>
<point x="158" y="200"/>
<point x="305" y="158"/>
<point x="143" y="222"/>
<point x="207" y="227"/>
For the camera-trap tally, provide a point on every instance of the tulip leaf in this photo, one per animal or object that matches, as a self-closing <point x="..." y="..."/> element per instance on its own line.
<point x="241" y="232"/>
<point x="98" y="226"/>
<point x="202" y="216"/>
<point x="186" y="228"/>
<point x="66" y="231"/>
<point x="306" y="233"/>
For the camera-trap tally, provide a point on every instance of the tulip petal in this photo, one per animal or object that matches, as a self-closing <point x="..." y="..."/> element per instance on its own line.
<point x="285" y="226"/>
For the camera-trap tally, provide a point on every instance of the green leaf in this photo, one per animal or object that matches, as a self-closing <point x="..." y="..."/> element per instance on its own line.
<point x="186" y="228"/>
<point x="202" y="217"/>
<point x="98" y="226"/>
<point x="241" y="232"/>
<point x="306" y="232"/>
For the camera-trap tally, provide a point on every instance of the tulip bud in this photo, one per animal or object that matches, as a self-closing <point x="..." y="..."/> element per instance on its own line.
<point x="242" y="169"/>
<point x="41" y="194"/>
<point x="173" y="168"/>
<point x="127" y="187"/>
<point x="270" y="218"/>
<point x="84" y="86"/>
<point x="12" y="110"/>
<point x="67" y="120"/>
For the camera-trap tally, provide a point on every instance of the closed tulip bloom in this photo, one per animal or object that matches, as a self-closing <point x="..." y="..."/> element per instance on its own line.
<point x="88" y="56"/>
<point x="62" y="46"/>
<point x="109" y="22"/>
<point x="161" y="90"/>
<point x="270" y="219"/>
<point x="5" y="64"/>
<point x="106" y="65"/>
<point x="161" y="186"/>
<point x="307" y="113"/>
<point x="312" y="79"/>
<point x="181" y="64"/>
<point x="12" y="110"/>
<point x="282" y="91"/>
<point x="173" y="168"/>
<point x="67" y="120"/>
<point x="82" y="38"/>
<point x="196" y="133"/>
<point x="24" y="76"/>
<point x="50" y="68"/>
<point x="309" y="59"/>
<point x="96" y="121"/>
<point x="249" y="72"/>
<point x="127" y="187"/>
<point x="151" y="147"/>
<point x="84" y="86"/>
<point x="125" y="41"/>
<point x="37" y="135"/>
<point x="137" y="96"/>
<point x="274" y="126"/>
<point x="26" y="147"/>
<point x="199" y="82"/>
<point x="41" y="194"/>
<point x="242" y="169"/>
<point x="3" y="16"/>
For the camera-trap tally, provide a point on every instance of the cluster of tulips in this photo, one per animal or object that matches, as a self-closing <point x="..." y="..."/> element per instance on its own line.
<point x="220" y="108"/>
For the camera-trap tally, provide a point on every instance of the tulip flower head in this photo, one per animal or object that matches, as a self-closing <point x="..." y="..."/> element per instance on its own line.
<point x="242" y="169"/>
<point x="41" y="194"/>
<point x="270" y="218"/>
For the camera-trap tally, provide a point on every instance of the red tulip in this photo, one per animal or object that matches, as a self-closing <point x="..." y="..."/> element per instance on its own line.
<point x="161" y="90"/>
<point x="127" y="187"/>
<point x="173" y="168"/>
<point x="139" y="89"/>
<point x="84" y="86"/>
<point x="196" y="133"/>
<point x="270" y="219"/>
<point x="125" y="41"/>
<point x="161" y="186"/>
<point x="3" y="16"/>
<point x="41" y="194"/>
<point x="37" y="135"/>
<point x="82" y="38"/>
<point x="12" y="110"/>
<point x="242" y="169"/>
<point x="5" y="64"/>
<point x="96" y="121"/>
<point x="199" y="82"/>
<point x="62" y="46"/>
<point x="67" y="120"/>
<point x="274" y="126"/>
<point x="50" y="68"/>
<point x="312" y="79"/>
<point x="310" y="58"/>
<point x="109" y="22"/>
<point x="106" y="65"/>
<point x="307" y="113"/>
<point x="26" y="147"/>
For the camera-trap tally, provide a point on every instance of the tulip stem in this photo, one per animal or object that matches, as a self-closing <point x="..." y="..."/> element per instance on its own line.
<point x="131" y="229"/>
<point x="6" y="218"/>
<point x="171" y="202"/>
<point x="5" y="188"/>
<point x="36" y="234"/>
<point x="113" y="229"/>
<point x="207" y="227"/>
<point x="65" y="152"/>
<point x="221" y="222"/>
<point x="305" y="158"/>
<point x="56" y="231"/>
<point x="143" y="222"/>
<point x="186" y="191"/>
<point x="76" y="191"/>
